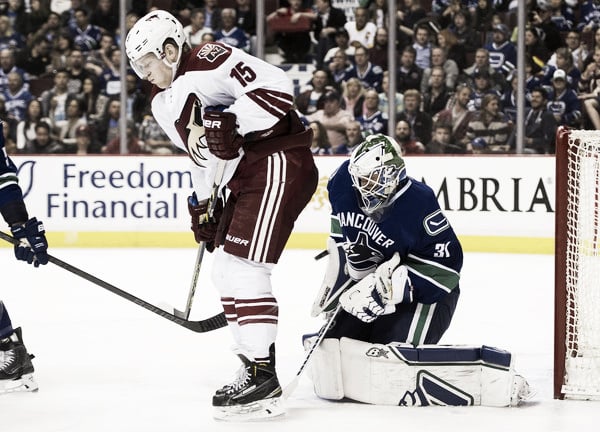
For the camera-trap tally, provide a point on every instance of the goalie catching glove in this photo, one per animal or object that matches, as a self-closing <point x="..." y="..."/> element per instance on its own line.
<point x="221" y="134"/>
<point x="33" y="245"/>
<point x="378" y="292"/>
<point x="204" y="225"/>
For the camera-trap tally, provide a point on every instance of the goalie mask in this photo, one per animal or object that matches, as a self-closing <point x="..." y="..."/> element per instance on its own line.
<point x="148" y="36"/>
<point x="377" y="168"/>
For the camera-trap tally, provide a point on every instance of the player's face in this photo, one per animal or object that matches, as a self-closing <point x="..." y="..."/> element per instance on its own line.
<point x="151" y="68"/>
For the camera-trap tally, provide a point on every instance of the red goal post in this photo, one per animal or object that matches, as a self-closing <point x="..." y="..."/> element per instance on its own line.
<point x="577" y="265"/>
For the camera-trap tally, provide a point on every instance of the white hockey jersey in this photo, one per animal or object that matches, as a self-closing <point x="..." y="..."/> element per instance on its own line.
<point x="217" y="76"/>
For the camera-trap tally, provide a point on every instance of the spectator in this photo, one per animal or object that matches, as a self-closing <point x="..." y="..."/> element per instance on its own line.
<point x="534" y="45"/>
<point x="404" y="136"/>
<point x="422" y="46"/>
<point x="93" y="101"/>
<point x="564" y="61"/>
<point x="540" y="125"/>
<point x="36" y="17"/>
<point x="489" y="130"/>
<point x="308" y="101"/>
<point x="154" y="139"/>
<point x="7" y="65"/>
<point x="110" y="78"/>
<point x="437" y="93"/>
<point x="77" y="71"/>
<point x="563" y="101"/>
<point x="377" y="13"/>
<point x="579" y="51"/>
<point x="99" y="59"/>
<point x="542" y="19"/>
<point x="361" y="31"/>
<point x="86" y="36"/>
<point x="212" y="15"/>
<point x="450" y="68"/>
<point x="26" y="128"/>
<point x="342" y="42"/>
<point x="503" y="53"/>
<point x="589" y="89"/>
<point x="482" y="87"/>
<point x="408" y="16"/>
<point x="334" y="118"/>
<point x="589" y="16"/>
<point x="108" y="128"/>
<point x="50" y="29"/>
<point x="229" y="33"/>
<point x="482" y="18"/>
<point x="16" y="97"/>
<point x="44" y="143"/>
<point x="466" y="36"/>
<point x="327" y="21"/>
<point x="320" y="142"/>
<point x="409" y="74"/>
<point x="353" y="97"/>
<point x="383" y="97"/>
<point x="481" y="63"/>
<point x="372" y="121"/>
<point x="458" y="115"/>
<point x="447" y="41"/>
<point x="339" y="66"/>
<point x="75" y="117"/>
<point x="53" y="100"/>
<point x="378" y="54"/>
<point x="420" y="122"/>
<point x="106" y="16"/>
<point x="246" y="18"/>
<point x="367" y="73"/>
<point x="137" y="100"/>
<point x="354" y="136"/>
<point x="196" y="28"/>
<point x="35" y="60"/>
<point x="442" y="142"/>
<point x="296" y="42"/>
<point x="9" y="38"/>
<point x="83" y="139"/>
<point x="133" y="143"/>
<point x="59" y="53"/>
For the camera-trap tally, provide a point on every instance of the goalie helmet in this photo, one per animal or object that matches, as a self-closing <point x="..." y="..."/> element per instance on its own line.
<point x="149" y="34"/>
<point x="377" y="168"/>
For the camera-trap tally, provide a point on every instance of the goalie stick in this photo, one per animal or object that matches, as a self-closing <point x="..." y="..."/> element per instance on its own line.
<point x="205" y="325"/>
<point x="220" y="171"/>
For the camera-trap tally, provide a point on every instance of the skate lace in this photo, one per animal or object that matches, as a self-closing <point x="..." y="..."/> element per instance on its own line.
<point x="242" y="378"/>
<point x="6" y="358"/>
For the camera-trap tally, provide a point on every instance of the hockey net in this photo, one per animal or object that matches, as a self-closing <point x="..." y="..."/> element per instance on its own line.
<point x="577" y="265"/>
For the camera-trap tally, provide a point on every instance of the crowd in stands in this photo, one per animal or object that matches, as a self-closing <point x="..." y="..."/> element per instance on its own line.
<point x="456" y="80"/>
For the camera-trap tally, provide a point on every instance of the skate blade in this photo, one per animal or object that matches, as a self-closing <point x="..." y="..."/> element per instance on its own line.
<point x="24" y="384"/>
<point x="260" y="410"/>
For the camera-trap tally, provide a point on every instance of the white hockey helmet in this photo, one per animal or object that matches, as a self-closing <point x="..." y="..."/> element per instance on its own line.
<point x="149" y="34"/>
<point x="376" y="168"/>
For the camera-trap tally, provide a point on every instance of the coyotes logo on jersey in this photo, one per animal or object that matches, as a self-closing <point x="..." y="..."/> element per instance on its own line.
<point x="190" y="129"/>
<point x="211" y="52"/>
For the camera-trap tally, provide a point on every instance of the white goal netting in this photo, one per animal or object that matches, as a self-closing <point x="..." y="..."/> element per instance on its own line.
<point x="582" y="338"/>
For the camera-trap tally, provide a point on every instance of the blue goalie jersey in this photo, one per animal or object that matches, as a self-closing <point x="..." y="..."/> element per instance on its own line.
<point x="412" y="225"/>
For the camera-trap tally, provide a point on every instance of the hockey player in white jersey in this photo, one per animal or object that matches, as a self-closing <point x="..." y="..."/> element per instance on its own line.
<point x="233" y="114"/>
<point x="16" y="369"/>
<point x="394" y="266"/>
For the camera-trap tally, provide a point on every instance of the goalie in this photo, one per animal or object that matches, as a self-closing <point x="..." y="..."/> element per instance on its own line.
<point x="394" y="267"/>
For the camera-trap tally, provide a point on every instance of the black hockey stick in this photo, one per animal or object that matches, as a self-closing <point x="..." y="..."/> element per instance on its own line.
<point x="206" y="325"/>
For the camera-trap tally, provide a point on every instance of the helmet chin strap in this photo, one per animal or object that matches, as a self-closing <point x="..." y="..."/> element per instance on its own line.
<point x="173" y="65"/>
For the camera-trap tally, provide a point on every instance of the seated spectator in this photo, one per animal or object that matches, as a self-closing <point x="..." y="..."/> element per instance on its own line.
<point x="77" y="70"/>
<point x="108" y="127"/>
<point x="94" y="102"/>
<point x="409" y="75"/>
<point x="105" y="16"/>
<point x="110" y="78"/>
<point x="8" y="65"/>
<point x="408" y="16"/>
<point x="84" y="138"/>
<point x="308" y="101"/>
<point x="342" y="42"/>
<point x="154" y="138"/>
<point x="196" y="29"/>
<point x="16" y="97"/>
<point x="466" y="36"/>
<point x="26" y="128"/>
<point x="442" y="142"/>
<point x="53" y="100"/>
<point x="447" y="41"/>
<point x="540" y="126"/>
<point x="437" y="93"/>
<point x="212" y="15"/>
<point x="361" y="31"/>
<point x="458" y="115"/>
<point x="589" y="16"/>
<point x="99" y="59"/>
<point x="326" y="22"/>
<point x="369" y="74"/>
<point x="339" y="66"/>
<point x="229" y="33"/>
<point x="483" y="85"/>
<point x="383" y="97"/>
<point x="564" y="61"/>
<point x="85" y="36"/>
<point x="503" y="53"/>
<point x="563" y="101"/>
<point x="534" y="45"/>
<point x="9" y="38"/>
<point x="35" y="59"/>
<point x="133" y="142"/>
<point x="295" y="40"/>
<point x="420" y="122"/>
<point x="372" y="121"/>
<point x="75" y="118"/>
<point x="589" y="89"/>
<point x="489" y="130"/>
<point x="438" y="58"/>
<point x="137" y="100"/>
<point x="481" y="63"/>
<point x="333" y="118"/>
<point x="320" y="142"/>
<point x="44" y="143"/>
<point x="59" y="53"/>
<point x="354" y="136"/>
<point x="378" y="54"/>
<point x="422" y="46"/>
<point x="406" y="139"/>
<point x="353" y="97"/>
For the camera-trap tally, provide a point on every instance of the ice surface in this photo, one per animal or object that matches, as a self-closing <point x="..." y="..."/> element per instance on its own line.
<point x="104" y="364"/>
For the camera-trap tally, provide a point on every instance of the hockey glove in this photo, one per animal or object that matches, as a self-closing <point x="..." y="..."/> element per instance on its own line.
<point x="221" y="134"/>
<point x="204" y="226"/>
<point x="33" y="245"/>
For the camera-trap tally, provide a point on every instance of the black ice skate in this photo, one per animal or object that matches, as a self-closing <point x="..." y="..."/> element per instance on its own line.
<point x="254" y="394"/>
<point x="16" y="370"/>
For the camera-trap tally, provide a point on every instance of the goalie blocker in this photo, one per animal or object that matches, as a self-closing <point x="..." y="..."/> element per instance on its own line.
<point x="400" y="374"/>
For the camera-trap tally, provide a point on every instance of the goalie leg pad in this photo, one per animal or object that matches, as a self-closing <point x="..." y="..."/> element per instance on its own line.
<point x="400" y="374"/>
<point x="325" y="368"/>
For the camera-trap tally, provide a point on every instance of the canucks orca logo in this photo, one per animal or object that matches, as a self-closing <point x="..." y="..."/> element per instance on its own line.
<point x="362" y="258"/>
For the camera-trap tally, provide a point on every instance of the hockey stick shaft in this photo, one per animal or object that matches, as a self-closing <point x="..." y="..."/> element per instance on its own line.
<point x="220" y="171"/>
<point x="289" y="389"/>
<point x="212" y="323"/>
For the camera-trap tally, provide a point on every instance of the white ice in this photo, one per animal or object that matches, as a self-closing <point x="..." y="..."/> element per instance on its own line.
<point x="105" y="364"/>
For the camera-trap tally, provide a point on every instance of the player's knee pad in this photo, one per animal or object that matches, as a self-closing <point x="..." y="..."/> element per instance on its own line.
<point x="325" y="368"/>
<point x="400" y="374"/>
<point x="238" y="277"/>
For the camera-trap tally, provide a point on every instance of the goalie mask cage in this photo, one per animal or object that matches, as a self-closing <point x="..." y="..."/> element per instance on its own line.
<point x="577" y="265"/>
